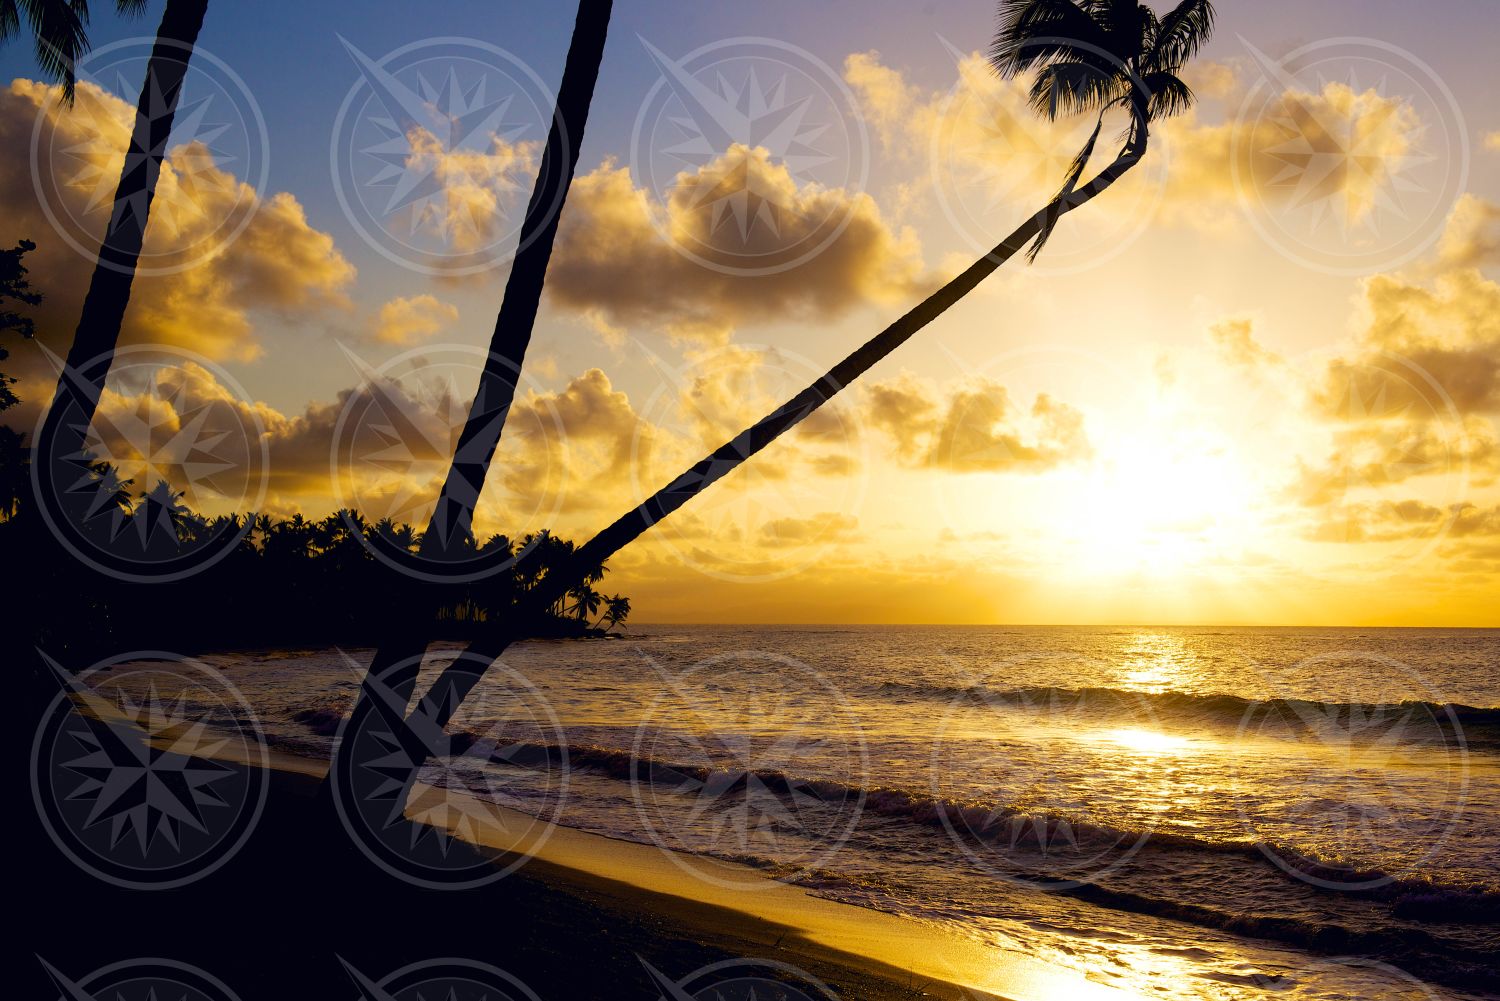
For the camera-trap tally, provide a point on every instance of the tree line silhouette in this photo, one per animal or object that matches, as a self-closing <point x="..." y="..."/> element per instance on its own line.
<point x="277" y="581"/>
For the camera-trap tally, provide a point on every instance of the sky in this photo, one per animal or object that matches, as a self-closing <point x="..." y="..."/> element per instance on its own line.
<point x="1256" y="382"/>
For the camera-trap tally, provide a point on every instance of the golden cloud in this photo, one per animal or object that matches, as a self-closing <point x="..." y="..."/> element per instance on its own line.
<point x="975" y="427"/>
<point x="277" y="263"/>
<point x="617" y="265"/>
<point x="1235" y="339"/>
<point x="412" y="319"/>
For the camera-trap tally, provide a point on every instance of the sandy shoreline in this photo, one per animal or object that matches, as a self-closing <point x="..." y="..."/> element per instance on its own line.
<point x="574" y="921"/>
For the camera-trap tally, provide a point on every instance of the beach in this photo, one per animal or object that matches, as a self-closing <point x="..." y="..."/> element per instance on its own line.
<point x="573" y="922"/>
<point x="849" y="803"/>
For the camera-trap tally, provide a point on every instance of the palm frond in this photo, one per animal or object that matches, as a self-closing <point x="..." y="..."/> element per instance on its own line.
<point x="1182" y="33"/>
<point x="1033" y="33"/>
<point x="1071" y="89"/>
<point x="60" y="31"/>
<point x="132" y="8"/>
<point x="1167" y="94"/>
<point x="1070" y="181"/>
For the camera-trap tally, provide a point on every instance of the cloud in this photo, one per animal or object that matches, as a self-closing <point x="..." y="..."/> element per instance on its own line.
<point x="1392" y="521"/>
<point x="987" y="136"/>
<point x="819" y="529"/>
<point x="1430" y="348"/>
<point x="616" y="263"/>
<point x="1235" y="339"/>
<point x="1492" y="142"/>
<point x="1472" y="237"/>
<point x="1373" y="455"/>
<point x="412" y="319"/>
<point x="278" y="264"/>
<point x="476" y="189"/>
<point x="974" y="427"/>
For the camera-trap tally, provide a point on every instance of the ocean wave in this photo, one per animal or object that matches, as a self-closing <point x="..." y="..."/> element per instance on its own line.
<point x="1472" y="721"/>
<point x="1008" y="827"/>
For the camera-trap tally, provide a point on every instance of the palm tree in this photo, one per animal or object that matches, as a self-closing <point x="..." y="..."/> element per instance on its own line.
<point x="616" y="610"/>
<point x="1088" y="56"/>
<point x="398" y="657"/>
<point x="61" y="439"/>
<point x="59" y="30"/>
<point x="585" y="602"/>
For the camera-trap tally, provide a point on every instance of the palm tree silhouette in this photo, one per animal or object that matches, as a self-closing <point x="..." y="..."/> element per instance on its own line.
<point x="59" y="30"/>
<point x="1088" y="56"/>
<point x="616" y="610"/>
<point x="449" y="531"/>
<point x="81" y="382"/>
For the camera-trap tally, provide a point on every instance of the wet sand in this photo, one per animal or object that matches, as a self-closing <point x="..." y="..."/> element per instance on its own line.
<point x="574" y="922"/>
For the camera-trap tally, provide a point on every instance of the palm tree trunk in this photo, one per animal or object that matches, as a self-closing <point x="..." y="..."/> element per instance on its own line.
<point x="82" y="379"/>
<point x="451" y="687"/>
<point x="397" y="659"/>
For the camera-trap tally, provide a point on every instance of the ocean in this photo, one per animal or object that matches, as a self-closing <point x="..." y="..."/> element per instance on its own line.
<point x="1184" y="812"/>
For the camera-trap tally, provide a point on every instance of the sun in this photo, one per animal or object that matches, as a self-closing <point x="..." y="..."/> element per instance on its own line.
<point x="1157" y="503"/>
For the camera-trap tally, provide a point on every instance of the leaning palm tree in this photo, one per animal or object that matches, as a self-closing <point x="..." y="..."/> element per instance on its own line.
<point x="392" y="673"/>
<point x="1088" y="56"/>
<point x="81" y="382"/>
